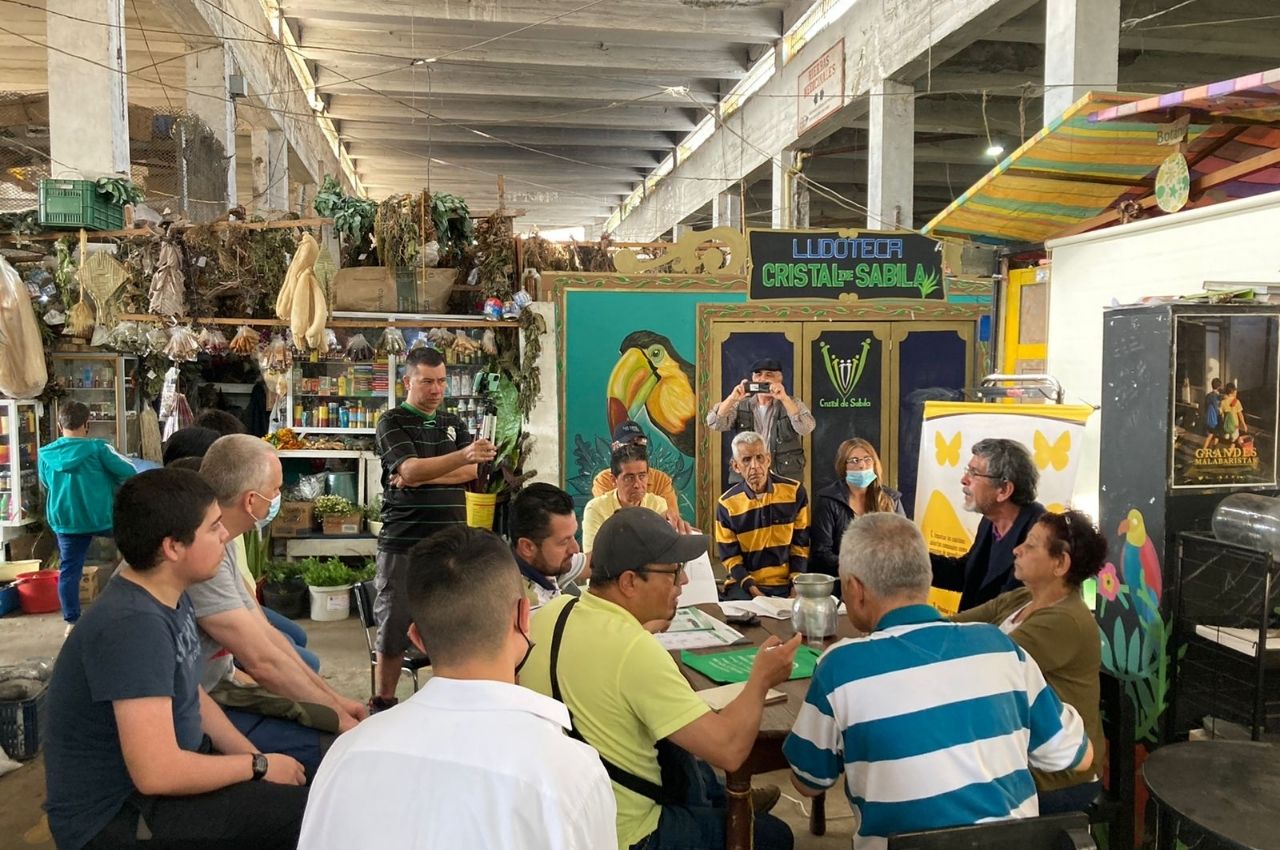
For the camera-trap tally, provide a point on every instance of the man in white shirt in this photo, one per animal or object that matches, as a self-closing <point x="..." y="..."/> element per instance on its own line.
<point x="472" y="760"/>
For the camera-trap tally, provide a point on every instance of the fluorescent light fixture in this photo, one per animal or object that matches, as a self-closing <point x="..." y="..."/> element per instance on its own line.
<point x="423" y="61"/>
<point x="995" y="149"/>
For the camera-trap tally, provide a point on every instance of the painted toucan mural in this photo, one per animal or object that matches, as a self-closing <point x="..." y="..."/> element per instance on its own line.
<point x="652" y="377"/>
<point x="629" y="353"/>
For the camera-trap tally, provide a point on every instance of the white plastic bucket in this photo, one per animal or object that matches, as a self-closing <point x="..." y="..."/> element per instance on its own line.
<point x="331" y="603"/>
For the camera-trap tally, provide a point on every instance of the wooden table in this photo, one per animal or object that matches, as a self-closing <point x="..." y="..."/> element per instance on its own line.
<point x="775" y="724"/>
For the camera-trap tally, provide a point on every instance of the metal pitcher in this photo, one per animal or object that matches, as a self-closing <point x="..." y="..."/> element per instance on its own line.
<point x="814" y="611"/>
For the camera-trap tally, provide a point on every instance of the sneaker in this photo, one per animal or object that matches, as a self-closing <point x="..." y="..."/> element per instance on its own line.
<point x="763" y="799"/>
<point x="377" y="704"/>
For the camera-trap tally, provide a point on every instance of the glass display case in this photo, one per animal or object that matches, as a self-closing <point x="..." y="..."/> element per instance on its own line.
<point x="107" y="384"/>
<point x="20" y="501"/>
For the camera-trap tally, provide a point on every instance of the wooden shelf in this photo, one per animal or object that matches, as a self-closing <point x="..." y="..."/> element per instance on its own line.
<point x="435" y="321"/>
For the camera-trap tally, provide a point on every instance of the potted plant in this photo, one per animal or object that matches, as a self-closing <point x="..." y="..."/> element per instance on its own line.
<point x="283" y="588"/>
<point x="373" y="515"/>
<point x="337" y="515"/>
<point x="330" y="582"/>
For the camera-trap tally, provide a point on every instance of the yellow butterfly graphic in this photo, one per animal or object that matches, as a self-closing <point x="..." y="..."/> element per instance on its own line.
<point x="1054" y="454"/>
<point x="948" y="450"/>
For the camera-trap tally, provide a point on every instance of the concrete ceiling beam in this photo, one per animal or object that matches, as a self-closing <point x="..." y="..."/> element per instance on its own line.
<point x="499" y="135"/>
<point x="752" y="25"/>
<point x="518" y="113"/>
<point x="332" y="46"/>
<point x="609" y="157"/>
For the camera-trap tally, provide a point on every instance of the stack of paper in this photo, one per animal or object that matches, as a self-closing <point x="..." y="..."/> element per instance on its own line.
<point x="692" y="628"/>
<point x="761" y="606"/>
<point x="721" y="696"/>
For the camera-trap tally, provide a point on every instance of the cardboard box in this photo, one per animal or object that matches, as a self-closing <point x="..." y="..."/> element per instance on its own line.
<point x="434" y="288"/>
<point x="294" y="519"/>
<point x="368" y="289"/>
<point x="92" y="581"/>
<point x="342" y="524"/>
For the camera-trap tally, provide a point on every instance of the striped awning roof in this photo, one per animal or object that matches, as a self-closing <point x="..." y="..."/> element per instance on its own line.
<point x="1253" y="97"/>
<point x="1069" y="172"/>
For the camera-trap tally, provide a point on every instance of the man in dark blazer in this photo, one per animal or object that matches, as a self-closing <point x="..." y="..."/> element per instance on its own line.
<point x="999" y="483"/>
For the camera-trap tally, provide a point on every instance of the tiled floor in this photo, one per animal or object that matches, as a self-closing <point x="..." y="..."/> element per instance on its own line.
<point x="345" y="665"/>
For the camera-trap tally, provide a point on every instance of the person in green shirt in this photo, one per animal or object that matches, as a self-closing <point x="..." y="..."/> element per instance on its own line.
<point x="81" y="474"/>
<point x="628" y="699"/>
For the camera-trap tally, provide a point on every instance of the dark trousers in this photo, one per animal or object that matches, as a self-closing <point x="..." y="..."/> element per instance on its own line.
<point x="737" y="592"/>
<point x="699" y="824"/>
<point x="273" y="735"/>
<point x="259" y="815"/>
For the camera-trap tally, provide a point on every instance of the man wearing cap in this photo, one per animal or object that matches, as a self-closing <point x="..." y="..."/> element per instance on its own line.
<point x="660" y="484"/>
<point x="654" y="734"/>
<point x="782" y="420"/>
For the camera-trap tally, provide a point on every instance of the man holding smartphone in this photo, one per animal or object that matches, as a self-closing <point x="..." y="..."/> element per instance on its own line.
<point x="762" y="404"/>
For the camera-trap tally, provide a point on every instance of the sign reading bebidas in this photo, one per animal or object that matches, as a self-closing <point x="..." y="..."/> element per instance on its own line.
<point x="828" y="264"/>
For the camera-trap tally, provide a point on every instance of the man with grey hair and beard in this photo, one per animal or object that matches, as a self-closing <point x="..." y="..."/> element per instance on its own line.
<point x="276" y="701"/>
<point x="999" y="483"/>
<point x="929" y="723"/>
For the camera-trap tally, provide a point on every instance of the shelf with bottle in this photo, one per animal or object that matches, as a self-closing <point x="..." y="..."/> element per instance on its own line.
<point x="345" y="417"/>
<point x="74" y="376"/>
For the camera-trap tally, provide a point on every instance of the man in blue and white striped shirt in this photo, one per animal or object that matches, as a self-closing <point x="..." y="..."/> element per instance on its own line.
<point x="931" y="723"/>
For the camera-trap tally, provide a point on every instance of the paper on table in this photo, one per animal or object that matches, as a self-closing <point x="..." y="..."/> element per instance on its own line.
<point x="701" y="589"/>
<point x="761" y="606"/>
<point x="719" y="634"/>
<point x="721" y="696"/>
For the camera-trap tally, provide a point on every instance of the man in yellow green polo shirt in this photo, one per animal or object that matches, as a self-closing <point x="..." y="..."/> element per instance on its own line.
<point x="630" y="466"/>
<point x="628" y="699"/>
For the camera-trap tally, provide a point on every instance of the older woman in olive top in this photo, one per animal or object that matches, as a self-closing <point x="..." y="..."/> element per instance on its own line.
<point x="1048" y="618"/>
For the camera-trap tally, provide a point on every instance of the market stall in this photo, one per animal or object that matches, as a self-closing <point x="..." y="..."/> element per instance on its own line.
<point x="297" y="328"/>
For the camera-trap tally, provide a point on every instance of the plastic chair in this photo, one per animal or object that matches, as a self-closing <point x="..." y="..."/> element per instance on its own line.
<point x="1114" y="806"/>
<point x="411" y="663"/>
<point x="1051" y="832"/>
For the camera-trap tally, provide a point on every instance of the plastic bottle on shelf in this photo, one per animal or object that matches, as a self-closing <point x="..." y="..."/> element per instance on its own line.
<point x="344" y="417"/>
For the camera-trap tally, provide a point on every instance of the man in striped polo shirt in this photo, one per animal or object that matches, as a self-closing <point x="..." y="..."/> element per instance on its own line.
<point x="427" y="456"/>
<point x="932" y="724"/>
<point x="762" y="525"/>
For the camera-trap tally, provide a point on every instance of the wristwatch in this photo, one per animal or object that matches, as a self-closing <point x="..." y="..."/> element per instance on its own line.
<point x="259" y="766"/>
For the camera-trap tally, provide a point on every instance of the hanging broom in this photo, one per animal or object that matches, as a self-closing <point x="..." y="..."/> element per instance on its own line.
<point x="80" y="317"/>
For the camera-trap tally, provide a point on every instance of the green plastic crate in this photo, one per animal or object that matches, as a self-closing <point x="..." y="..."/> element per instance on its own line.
<point x="77" y="203"/>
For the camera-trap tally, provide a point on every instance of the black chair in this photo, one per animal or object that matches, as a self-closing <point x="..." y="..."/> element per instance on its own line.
<point x="413" y="660"/>
<point x="1051" y="832"/>
<point x="1115" y="805"/>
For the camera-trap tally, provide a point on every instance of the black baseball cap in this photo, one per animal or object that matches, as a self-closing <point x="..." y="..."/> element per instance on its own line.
<point x="766" y="364"/>
<point x="628" y="431"/>
<point x="635" y="537"/>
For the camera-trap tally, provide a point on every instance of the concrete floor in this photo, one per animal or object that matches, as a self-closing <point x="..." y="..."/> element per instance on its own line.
<point x="344" y="663"/>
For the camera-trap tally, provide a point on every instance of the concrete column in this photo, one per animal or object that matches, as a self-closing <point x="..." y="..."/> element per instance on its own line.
<point x="784" y="185"/>
<point x="88" y="100"/>
<point x="800" y="213"/>
<point x="1081" y="51"/>
<point x="208" y="100"/>
<point x="726" y="209"/>
<point x="270" y="170"/>
<point x="890" y="156"/>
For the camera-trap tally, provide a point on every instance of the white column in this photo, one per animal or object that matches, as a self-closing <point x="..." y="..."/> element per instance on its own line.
<point x="783" y="204"/>
<point x="270" y="170"/>
<point x="1081" y="51"/>
<point x="88" y="105"/>
<point x="891" y="156"/>
<point x="726" y="209"/>
<point x="208" y="100"/>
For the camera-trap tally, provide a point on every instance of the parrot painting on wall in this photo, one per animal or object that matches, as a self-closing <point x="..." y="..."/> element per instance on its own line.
<point x="1140" y="566"/>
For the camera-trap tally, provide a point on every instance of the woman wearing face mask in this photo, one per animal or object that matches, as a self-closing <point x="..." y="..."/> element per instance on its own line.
<point x="858" y="489"/>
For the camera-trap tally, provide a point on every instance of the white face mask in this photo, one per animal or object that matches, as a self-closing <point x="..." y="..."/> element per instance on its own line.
<point x="273" y="508"/>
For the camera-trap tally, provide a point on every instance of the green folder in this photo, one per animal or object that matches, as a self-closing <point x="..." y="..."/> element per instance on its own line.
<point x="735" y="664"/>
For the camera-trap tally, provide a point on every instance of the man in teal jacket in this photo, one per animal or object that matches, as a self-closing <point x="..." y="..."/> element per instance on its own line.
<point x="81" y="475"/>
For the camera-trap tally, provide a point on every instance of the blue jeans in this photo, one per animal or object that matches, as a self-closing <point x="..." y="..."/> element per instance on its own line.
<point x="273" y="735"/>
<point x="296" y="635"/>
<point x="699" y="825"/>
<point x="1074" y="798"/>
<point x="72" y="549"/>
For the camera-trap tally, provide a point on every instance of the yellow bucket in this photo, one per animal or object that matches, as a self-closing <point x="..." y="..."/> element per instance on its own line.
<point x="480" y="507"/>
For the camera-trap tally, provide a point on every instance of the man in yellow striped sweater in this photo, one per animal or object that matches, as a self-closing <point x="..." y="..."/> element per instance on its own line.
<point x="762" y="525"/>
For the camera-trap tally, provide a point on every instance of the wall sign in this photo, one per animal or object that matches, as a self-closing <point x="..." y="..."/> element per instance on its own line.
<point x="820" y="88"/>
<point x="832" y="263"/>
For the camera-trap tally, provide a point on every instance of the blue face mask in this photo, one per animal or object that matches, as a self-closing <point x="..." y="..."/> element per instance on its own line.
<point x="273" y="508"/>
<point x="860" y="478"/>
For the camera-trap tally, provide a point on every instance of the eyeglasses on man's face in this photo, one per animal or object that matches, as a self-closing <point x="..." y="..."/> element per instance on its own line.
<point x="676" y="574"/>
<point x="970" y="472"/>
